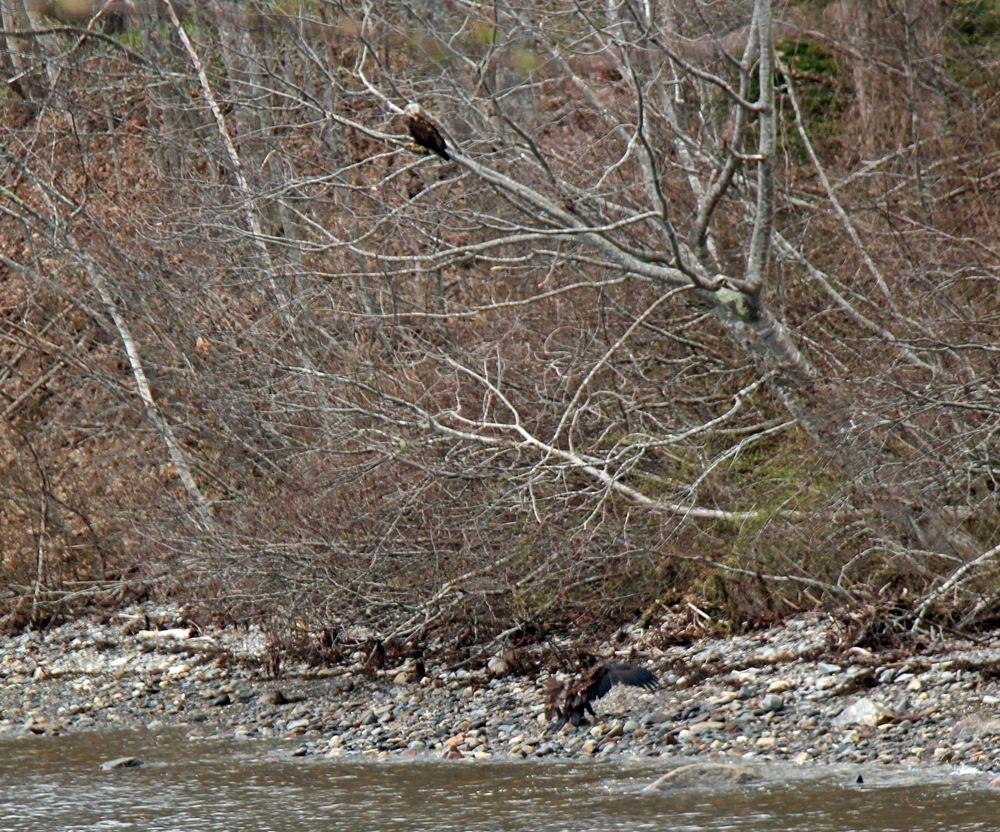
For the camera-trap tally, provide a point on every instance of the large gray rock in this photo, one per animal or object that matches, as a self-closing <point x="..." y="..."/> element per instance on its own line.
<point x="704" y="775"/>
<point x="863" y="712"/>
<point x="121" y="762"/>
<point x="976" y="726"/>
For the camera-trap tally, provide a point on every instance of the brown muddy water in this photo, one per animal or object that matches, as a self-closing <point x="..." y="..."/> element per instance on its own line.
<point x="49" y="784"/>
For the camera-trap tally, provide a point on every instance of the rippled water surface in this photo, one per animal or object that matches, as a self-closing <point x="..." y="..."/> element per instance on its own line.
<point x="49" y="784"/>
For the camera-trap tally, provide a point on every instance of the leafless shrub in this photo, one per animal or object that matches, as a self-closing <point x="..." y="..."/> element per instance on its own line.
<point x="685" y="318"/>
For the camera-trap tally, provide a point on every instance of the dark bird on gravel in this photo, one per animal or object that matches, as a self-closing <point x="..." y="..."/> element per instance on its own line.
<point x="424" y="132"/>
<point x="567" y="701"/>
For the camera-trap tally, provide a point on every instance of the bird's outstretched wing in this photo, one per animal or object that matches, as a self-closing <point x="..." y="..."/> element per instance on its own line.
<point x="567" y="702"/>
<point x="600" y="678"/>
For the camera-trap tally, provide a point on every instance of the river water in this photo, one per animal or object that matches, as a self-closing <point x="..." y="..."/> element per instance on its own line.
<point x="49" y="784"/>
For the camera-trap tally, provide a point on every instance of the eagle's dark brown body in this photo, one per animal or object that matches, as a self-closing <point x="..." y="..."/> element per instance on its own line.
<point x="424" y="132"/>
<point x="567" y="701"/>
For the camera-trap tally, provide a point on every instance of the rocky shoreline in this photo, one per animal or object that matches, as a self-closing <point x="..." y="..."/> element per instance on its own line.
<point x="778" y="695"/>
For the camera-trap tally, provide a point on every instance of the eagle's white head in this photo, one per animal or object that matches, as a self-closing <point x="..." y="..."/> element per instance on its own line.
<point x="414" y="110"/>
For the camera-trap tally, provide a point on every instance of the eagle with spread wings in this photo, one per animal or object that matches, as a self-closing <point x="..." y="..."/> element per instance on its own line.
<point x="424" y="131"/>
<point x="567" y="701"/>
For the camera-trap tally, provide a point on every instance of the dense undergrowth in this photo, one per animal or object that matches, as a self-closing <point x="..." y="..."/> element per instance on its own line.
<point x="387" y="401"/>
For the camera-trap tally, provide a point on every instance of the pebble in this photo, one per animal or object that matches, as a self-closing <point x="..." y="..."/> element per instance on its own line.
<point x="773" y="703"/>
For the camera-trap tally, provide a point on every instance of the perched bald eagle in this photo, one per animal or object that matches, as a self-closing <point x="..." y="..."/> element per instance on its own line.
<point x="424" y="132"/>
<point x="567" y="701"/>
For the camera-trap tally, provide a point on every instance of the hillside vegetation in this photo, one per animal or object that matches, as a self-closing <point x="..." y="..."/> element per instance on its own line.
<point x="688" y="323"/>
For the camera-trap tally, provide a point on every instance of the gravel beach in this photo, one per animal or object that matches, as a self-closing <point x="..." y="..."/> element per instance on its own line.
<point x="782" y="694"/>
